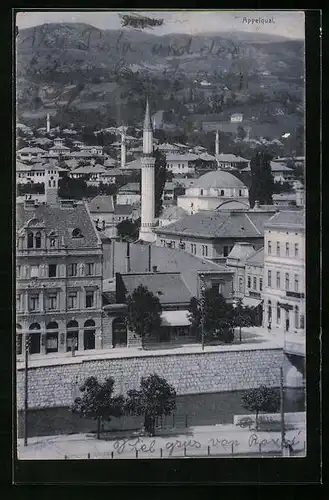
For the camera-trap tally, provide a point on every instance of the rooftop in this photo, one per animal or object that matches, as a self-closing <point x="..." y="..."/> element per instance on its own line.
<point x="131" y="187"/>
<point x="63" y="221"/>
<point x="257" y="258"/>
<point x="231" y="158"/>
<point x="32" y="150"/>
<point x="295" y="219"/>
<point x="101" y="204"/>
<point x="218" y="179"/>
<point x="219" y="224"/>
<point x="183" y="157"/>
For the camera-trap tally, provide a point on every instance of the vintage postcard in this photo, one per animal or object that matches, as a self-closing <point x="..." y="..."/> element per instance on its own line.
<point x="160" y="234"/>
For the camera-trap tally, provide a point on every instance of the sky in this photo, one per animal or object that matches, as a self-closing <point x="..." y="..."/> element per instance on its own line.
<point x="285" y="23"/>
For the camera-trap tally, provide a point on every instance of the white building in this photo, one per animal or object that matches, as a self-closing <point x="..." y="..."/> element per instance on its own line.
<point x="181" y="164"/>
<point x="212" y="190"/>
<point x="236" y="117"/>
<point x="129" y="194"/>
<point x="30" y="153"/>
<point x="280" y="172"/>
<point x="231" y="161"/>
<point x="284" y="272"/>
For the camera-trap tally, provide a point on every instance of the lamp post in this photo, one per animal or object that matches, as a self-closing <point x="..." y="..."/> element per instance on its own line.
<point x="202" y="303"/>
<point x="27" y="349"/>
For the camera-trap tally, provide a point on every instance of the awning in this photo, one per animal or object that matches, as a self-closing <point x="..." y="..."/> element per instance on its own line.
<point x="175" y="318"/>
<point x="251" y="302"/>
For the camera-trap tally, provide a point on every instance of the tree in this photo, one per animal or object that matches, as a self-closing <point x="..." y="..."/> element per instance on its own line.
<point x="216" y="315"/>
<point x="261" y="399"/>
<point x="128" y="230"/>
<point x="144" y="312"/>
<point x="241" y="133"/>
<point x="156" y="397"/>
<point x="69" y="188"/>
<point x="262" y="183"/>
<point x="160" y="179"/>
<point x="97" y="401"/>
<point x="242" y="316"/>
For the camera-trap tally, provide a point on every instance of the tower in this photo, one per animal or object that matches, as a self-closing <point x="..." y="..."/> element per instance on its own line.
<point x="48" y="123"/>
<point x="123" y="147"/>
<point x="148" y="182"/>
<point x="217" y="144"/>
<point x="51" y="184"/>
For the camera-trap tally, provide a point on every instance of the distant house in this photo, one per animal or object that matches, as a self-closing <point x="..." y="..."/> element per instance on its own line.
<point x="236" y="118"/>
<point x="280" y="172"/>
<point x="231" y="161"/>
<point x="129" y="194"/>
<point x="30" y="153"/>
<point x="170" y="214"/>
<point x="124" y="212"/>
<point x="92" y="174"/>
<point x="94" y="150"/>
<point x="34" y="174"/>
<point x="168" y="191"/>
<point x="78" y="144"/>
<point x="284" y="199"/>
<point x="101" y="209"/>
<point x="181" y="164"/>
<point x="168" y="148"/>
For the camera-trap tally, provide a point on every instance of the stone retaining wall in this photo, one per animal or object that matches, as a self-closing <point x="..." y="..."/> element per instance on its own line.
<point x="192" y="373"/>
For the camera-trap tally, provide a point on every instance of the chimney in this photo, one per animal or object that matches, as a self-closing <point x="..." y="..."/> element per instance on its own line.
<point x="128" y="257"/>
<point x="48" y="123"/>
<point x="154" y="269"/>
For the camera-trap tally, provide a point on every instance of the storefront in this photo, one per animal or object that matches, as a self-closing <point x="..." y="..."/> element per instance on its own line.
<point x="175" y="327"/>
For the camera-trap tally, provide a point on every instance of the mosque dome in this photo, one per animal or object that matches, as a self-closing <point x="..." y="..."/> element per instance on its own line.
<point x="218" y="179"/>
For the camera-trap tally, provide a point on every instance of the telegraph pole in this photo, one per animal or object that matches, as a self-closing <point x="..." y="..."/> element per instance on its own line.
<point x="282" y="411"/>
<point x="202" y="290"/>
<point x="26" y="393"/>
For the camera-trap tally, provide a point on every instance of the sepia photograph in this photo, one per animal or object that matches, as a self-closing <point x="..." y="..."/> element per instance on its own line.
<point x="160" y="234"/>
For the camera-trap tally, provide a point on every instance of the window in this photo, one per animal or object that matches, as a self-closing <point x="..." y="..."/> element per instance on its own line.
<point x="222" y="192"/>
<point x="52" y="337"/>
<point x="38" y="240"/>
<point x="278" y="279"/>
<point x="287" y="281"/>
<point x="269" y="311"/>
<point x="287" y="249"/>
<point x="278" y="249"/>
<point x="89" y="299"/>
<point x="205" y="250"/>
<point x="18" y="302"/>
<point x="30" y="240"/>
<point x="72" y="300"/>
<point x="89" y="334"/>
<point x="18" y="271"/>
<point x="52" y="242"/>
<point x="34" y="272"/>
<point x="240" y="284"/>
<point x="249" y="282"/>
<point x="76" y="233"/>
<point x="269" y="278"/>
<point x="269" y="248"/>
<point x="296" y="286"/>
<point x="72" y="337"/>
<point x="52" y="270"/>
<point x="34" y="302"/>
<point x="89" y="269"/>
<point x="278" y="313"/>
<point x="296" y="317"/>
<point x="296" y="250"/>
<point x="201" y="192"/>
<point x="72" y="269"/>
<point x="226" y="251"/>
<point x="255" y="283"/>
<point x="19" y="339"/>
<point x="301" y="321"/>
<point x="52" y="301"/>
<point x="193" y="248"/>
<point x="260" y="284"/>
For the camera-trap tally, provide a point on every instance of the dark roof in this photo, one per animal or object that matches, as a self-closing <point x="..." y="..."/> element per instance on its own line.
<point x="63" y="221"/>
<point x="256" y="258"/>
<point x="131" y="187"/>
<point x="170" y="288"/>
<point x="123" y="209"/>
<point x="244" y="224"/>
<point x="287" y="218"/>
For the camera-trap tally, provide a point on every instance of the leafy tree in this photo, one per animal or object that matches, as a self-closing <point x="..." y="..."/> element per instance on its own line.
<point x="128" y="230"/>
<point x="216" y="313"/>
<point x="30" y="188"/>
<point x="282" y="187"/>
<point x="241" y="133"/>
<point x="144" y="312"/>
<point x="156" y="397"/>
<point x="262" y="182"/>
<point x="242" y="316"/>
<point x="263" y="399"/>
<point x="69" y="188"/>
<point x="160" y="179"/>
<point x="97" y="402"/>
<point x="178" y="191"/>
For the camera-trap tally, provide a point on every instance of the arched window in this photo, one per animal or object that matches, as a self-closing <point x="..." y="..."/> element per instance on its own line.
<point x="240" y="192"/>
<point x="49" y="183"/>
<point x="89" y="334"/>
<point x="278" y="313"/>
<point x="35" y="338"/>
<point x="222" y="192"/>
<point x="30" y="240"/>
<point x="52" y="337"/>
<point x="269" y="311"/>
<point x="72" y="336"/>
<point x="76" y="233"/>
<point x="38" y="240"/>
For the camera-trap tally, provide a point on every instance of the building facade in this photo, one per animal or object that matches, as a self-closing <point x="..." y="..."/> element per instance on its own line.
<point x="58" y="276"/>
<point x="284" y="272"/>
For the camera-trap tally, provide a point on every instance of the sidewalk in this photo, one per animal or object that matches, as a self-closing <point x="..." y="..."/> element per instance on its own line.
<point x="202" y="441"/>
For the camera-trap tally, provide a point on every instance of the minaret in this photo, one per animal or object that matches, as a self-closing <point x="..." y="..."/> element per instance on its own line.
<point x="123" y="147"/>
<point x="51" y="184"/>
<point x="147" y="184"/>
<point x="48" y="123"/>
<point x="217" y="144"/>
